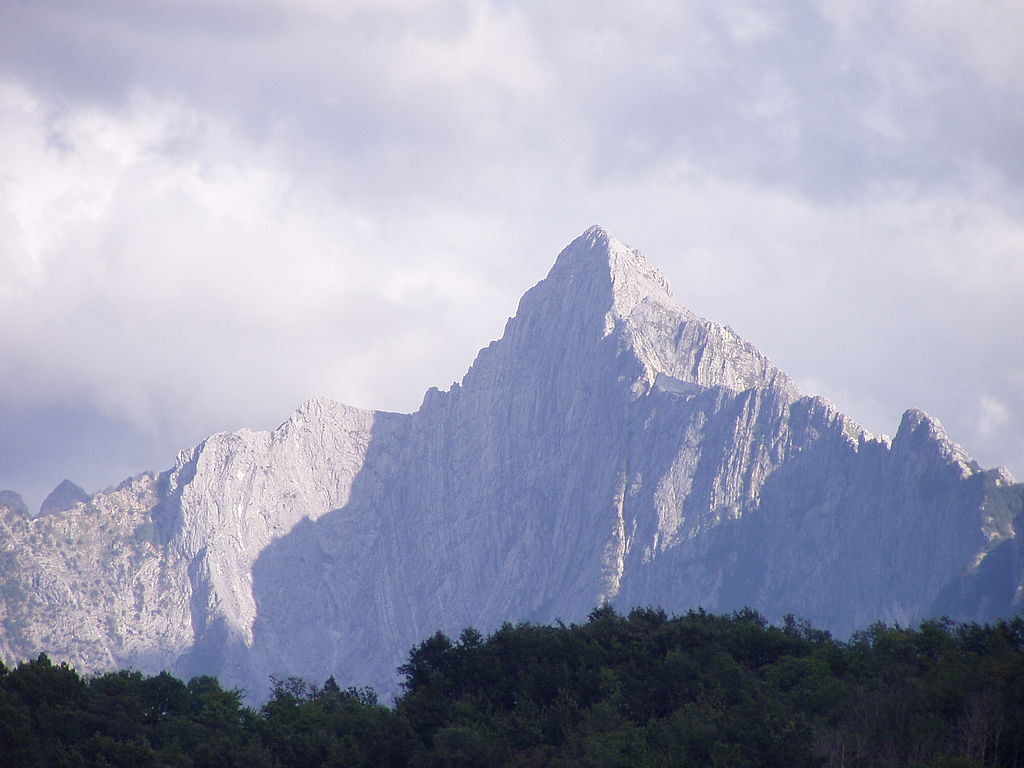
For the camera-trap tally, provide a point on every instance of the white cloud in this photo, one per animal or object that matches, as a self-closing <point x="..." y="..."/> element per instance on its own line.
<point x="994" y="415"/>
<point x="218" y="210"/>
<point x="151" y="278"/>
<point x="983" y="35"/>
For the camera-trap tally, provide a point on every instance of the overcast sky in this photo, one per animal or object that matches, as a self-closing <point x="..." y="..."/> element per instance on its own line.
<point x="212" y="211"/>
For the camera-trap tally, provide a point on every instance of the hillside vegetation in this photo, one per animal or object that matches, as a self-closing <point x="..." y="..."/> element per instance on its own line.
<point x="639" y="690"/>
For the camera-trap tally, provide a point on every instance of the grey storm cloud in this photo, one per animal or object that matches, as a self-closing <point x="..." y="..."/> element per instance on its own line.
<point x="218" y="209"/>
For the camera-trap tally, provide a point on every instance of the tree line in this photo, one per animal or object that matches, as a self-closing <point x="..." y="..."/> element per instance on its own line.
<point x="643" y="689"/>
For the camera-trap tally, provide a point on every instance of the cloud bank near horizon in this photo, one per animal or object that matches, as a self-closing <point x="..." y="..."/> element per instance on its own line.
<point x="217" y="210"/>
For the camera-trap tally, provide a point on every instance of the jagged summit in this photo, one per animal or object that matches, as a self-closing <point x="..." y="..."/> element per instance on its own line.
<point x="920" y="429"/>
<point x="598" y="257"/>
<point x="603" y="299"/>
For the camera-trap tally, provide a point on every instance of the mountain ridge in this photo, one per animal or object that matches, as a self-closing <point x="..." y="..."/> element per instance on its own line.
<point x="610" y="446"/>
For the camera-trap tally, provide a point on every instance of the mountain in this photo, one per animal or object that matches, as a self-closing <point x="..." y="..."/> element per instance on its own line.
<point x="611" y="446"/>
<point x="13" y="501"/>
<point x="65" y="496"/>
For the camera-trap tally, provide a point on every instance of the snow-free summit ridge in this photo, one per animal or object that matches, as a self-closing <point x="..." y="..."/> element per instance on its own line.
<point x="610" y="446"/>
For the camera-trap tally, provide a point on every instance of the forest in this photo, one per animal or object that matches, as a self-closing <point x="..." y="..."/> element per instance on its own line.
<point x="643" y="689"/>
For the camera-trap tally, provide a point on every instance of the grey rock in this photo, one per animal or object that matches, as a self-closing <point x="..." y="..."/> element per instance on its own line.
<point x="612" y="446"/>
<point x="994" y="586"/>
<point x="13" y="502"/>
<point x="65" y="496"/>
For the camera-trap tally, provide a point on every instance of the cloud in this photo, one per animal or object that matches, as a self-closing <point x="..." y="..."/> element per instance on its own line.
<point x="144" y="254"/>
<point x="994" y="415"/>
<point x="219" y="209"/>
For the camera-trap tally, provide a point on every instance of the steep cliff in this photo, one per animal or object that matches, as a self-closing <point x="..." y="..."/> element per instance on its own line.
<point x="611" y="446"/>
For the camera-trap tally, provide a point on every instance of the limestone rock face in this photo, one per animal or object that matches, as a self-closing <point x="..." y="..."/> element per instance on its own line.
<point x="612" y="446"/>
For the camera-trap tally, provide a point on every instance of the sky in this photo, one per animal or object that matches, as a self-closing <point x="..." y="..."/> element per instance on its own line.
<point x="213" y="211"/>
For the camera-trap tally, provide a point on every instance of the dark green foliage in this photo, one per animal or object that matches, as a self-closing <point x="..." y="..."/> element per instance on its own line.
<point x="705" y="690"/>
<point x="51" y="716"/>
<point x="303" y="725"/>
<point x="632" y="691"/>
<point x="639" y="690"/>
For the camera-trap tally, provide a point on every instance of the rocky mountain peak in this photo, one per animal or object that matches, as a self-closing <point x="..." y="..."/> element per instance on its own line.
<point x="620" y="276"/>
<point x="919" y="431"/>
<point x="13" y="501"/>
<point x="611" y="445"/>
<point x="63" y="497"/>
<point x="604" y="312"/>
